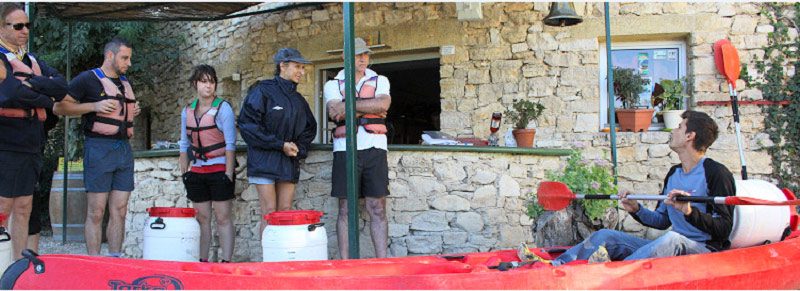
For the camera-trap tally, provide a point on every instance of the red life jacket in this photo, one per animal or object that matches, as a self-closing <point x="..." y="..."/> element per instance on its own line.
<point x="22" y="72"/>
<point x="208" y="141"/>
<point x="372" y="123"/>
<point x="110" y="124"/>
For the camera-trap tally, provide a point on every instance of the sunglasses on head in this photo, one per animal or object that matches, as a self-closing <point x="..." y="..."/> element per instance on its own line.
<point x="19" y="26"/>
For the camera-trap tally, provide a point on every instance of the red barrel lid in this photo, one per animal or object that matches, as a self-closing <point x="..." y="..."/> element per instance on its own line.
<point x="293" y="217"/>
<point x="171" y="212"/>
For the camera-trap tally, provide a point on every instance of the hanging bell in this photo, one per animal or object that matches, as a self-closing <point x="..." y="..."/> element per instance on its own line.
<point x="562" y="14"/>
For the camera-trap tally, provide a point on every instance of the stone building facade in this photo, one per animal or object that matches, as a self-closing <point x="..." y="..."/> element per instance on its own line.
<point x="450" y="202"/>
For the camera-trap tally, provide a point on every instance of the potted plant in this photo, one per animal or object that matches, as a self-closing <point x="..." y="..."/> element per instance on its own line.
<point x="628" y="84"/>
<point x="521" y="114"/>
<point x="671" y="101"/>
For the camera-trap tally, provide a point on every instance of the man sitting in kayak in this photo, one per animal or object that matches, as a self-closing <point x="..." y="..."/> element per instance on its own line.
<point x="696" y="227"/>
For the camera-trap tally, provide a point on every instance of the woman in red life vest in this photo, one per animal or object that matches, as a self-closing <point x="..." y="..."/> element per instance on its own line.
<point x="278" y="126"/>
<point x="207" y="157"/>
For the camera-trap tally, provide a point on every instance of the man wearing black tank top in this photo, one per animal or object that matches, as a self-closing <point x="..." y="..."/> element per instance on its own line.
<point x="104" y="98"/>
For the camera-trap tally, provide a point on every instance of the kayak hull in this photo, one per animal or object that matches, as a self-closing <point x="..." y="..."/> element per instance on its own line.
<point x="761" y="267"/>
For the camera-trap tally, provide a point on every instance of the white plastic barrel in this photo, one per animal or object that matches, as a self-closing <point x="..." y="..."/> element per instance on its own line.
<point x="171" y="234"/>
<point x="756" y="224"/>
<point x="6" y="249"/>
<point x="294" y="235"/>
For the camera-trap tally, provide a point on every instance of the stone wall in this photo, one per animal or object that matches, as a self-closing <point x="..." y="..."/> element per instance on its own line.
<point x="507" y="55"/>
<point x="440" y="202"/>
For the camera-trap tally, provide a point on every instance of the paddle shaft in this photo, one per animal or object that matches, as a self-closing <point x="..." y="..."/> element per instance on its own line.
<point x="716" y="200"/>
<point x="735" y="108"/>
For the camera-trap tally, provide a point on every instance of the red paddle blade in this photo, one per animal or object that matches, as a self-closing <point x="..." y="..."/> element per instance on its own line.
<point x="734" y="200"/>
<point x="554" y="195"/>
<point x="718" y="60"/>
<point x="732" y="66"/>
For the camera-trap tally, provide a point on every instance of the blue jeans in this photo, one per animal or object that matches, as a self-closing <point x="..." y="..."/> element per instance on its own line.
<point x="623" y="246"/>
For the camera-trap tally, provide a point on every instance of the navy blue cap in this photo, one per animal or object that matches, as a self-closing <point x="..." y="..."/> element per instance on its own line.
<point x="288" y="54"/>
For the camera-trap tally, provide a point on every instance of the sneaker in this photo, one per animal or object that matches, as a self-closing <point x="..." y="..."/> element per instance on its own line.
<point x="224" y="261"/>
<point x="600" y="256"/>
<point x="526" y="255"/>
<point x="204" y="260"/>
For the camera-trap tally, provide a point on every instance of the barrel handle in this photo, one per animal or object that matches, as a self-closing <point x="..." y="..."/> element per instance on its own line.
<point x="312" y="227"/>
<point x="3" y="232"/>
<point x="158" y="224"/>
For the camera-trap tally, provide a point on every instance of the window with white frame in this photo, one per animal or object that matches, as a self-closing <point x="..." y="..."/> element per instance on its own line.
<point x="654" y="60"/>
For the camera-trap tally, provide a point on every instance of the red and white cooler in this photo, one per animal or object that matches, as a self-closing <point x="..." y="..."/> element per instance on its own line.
<point x="294" y="235"/>
<point x="171" y="234"/>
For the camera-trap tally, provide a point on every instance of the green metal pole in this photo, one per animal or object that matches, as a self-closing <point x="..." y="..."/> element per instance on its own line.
<point x="350" y="120"/>
<point x="66" y="142"/>
<point x="610" y="85"/>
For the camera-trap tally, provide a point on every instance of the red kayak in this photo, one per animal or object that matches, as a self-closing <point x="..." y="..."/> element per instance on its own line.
<point x="768" y="266"/>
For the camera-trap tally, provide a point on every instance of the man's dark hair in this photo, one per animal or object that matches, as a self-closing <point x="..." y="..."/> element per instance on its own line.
<point x="277" y="69"/>
<point x="705" y="129"/>
<point x="114" y="44"/>
<point x="201" y="71"/>
<point x="9" y="7"/>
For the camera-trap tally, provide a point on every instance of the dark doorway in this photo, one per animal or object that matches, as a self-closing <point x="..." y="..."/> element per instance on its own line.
<point x="416" y="104"/>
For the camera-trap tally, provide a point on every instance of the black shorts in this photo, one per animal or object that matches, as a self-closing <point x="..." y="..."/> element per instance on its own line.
<point x="372" y="170"/>
<point x="210" y="186"/>
<point x="19" y="173"/>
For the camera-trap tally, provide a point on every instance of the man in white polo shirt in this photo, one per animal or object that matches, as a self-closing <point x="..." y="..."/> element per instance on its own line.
<point x="372" y="105"/>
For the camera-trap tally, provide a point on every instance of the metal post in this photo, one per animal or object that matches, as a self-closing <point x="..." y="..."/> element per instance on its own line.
<point x="66" y="142"/>
<point x="610" y="85"/>
<point x="350" y="121"/>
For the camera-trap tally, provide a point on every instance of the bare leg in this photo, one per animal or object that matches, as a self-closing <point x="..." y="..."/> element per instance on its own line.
<point x="117" y="209"/>
<point x="285" y="193"/>
<point x="94" y="219"/>
<point x="222" y="212"/>
<point x="378" y="225"/>
<point x="20" y="209"/>
<point x="33" y="242"/>
<point x="341" y="229"/>
<point x="267" y="202"/>
<point x="204" y="219"/>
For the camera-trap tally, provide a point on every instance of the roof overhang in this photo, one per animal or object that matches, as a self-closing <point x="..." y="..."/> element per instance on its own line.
<point x="155" y="11"/>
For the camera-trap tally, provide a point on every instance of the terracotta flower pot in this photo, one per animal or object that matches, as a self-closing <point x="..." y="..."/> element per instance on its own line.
<point x="635" y="120"/>
<point x="524" y="137"/>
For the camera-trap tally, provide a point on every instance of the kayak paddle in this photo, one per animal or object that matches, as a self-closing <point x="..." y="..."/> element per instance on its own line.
<point x="727" y="60"/>
<point x="555" y="196"/>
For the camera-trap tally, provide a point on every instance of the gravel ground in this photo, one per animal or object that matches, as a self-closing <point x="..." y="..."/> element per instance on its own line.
<point x="51" y="245"/>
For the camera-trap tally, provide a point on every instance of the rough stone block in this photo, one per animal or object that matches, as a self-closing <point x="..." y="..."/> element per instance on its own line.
<point x="424" y="244"/>
<point x="505" y="71"/>
<point x="659" y="150"/>
<point x="743" y="25"/>
<point x="470" y="221"/>
<point x="490" y="53"/>
<point x="478" y="76"/>
<point x="485" y="196"/>
<point x="451" y="203"/>
<point x="579" y="45"/>
<point x="587" y="123"/>
<point x="432" y="220"/>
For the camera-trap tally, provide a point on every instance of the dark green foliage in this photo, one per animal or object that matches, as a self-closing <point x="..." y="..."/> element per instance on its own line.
<point x="150" y="47"/>
<point x="782" y="123"/>
<point x="628" y="84"/>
